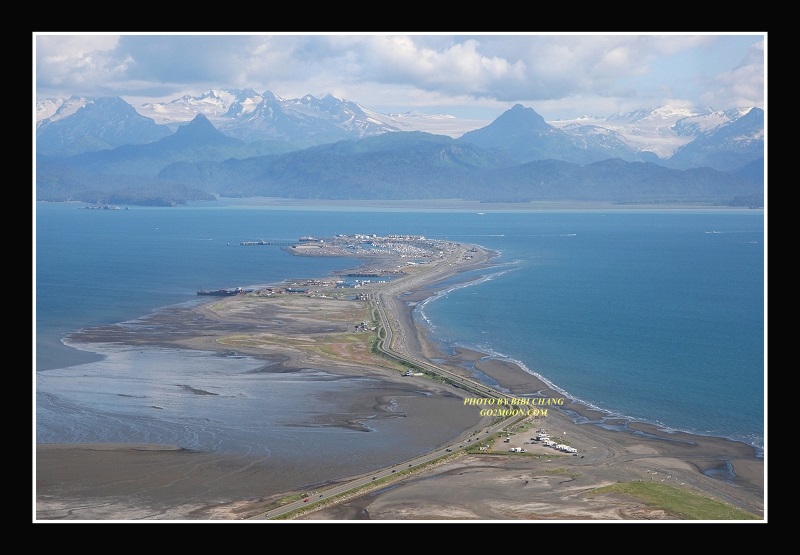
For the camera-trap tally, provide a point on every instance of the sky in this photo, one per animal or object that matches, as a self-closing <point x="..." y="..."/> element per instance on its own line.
<point x="471" y="76"/>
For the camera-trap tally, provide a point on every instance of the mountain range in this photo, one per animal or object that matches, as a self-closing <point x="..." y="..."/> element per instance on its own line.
<point x="241" y="143"/>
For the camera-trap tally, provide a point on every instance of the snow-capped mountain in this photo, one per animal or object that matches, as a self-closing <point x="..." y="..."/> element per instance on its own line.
<point x="437" y="124"/>
<point x="54" y="109"/>
<point x="662" y="130"/>
<point x="239" y="111"/>
<point x="519" y="157"/>
<point x="730" y="145"/>
<point x="80" y="125"/>
<point x="285" y="124"/>
<point x="251" y="116"/>
<point x="215" y="105"/>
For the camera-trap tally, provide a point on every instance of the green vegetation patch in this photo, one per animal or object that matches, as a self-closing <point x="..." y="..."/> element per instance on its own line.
<point x="560" y="471"/>
<point x="685" y="504"/>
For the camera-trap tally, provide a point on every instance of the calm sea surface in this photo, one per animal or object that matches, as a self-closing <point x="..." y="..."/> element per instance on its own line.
<point x="655" y="315"/>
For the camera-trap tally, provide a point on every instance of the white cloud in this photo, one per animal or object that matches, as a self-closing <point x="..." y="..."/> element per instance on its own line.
<point x="744" y="85"/>
<point x="83" y="60"/>
<point x="570" y="74"/>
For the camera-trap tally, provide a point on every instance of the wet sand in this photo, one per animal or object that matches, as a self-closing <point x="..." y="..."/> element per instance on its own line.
<point x="124" y="482"/>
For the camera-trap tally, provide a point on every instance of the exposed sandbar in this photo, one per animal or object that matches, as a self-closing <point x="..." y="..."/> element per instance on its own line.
<point x="124" y="482"/>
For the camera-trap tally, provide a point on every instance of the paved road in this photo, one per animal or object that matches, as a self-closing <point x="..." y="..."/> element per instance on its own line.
<point x="387" y="472"/>
<point x="393" y="345"/>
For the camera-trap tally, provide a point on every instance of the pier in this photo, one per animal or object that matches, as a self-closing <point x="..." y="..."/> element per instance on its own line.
<point x="279" y="243"/>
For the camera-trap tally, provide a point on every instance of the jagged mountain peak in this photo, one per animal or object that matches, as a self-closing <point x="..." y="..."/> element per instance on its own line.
<point x="228" y="95"/>
<point x="517" y="121"/>
<point x="662" y="130"/>
<point x="519" y="156"/>
<point x="199" y="131"/>
<point x="520" y="116"/>
<point x="730" y="146"/>
<point x="49" y="110"/>
<point x="94" y="124"/>
<point x="307" y="121"/>
<point x="200" y="124"/>
<point x="659" y="114"/>
<point x="269" y="95"/>
<point x="113" y="102"/>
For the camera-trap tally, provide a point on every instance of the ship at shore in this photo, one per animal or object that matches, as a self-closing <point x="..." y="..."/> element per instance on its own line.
<point x="224" y="292"/>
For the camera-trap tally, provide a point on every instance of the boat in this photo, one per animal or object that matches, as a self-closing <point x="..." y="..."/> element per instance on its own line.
<point x="222" y="292"/>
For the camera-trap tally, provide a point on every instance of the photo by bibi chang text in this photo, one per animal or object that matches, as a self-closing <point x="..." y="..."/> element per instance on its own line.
<point x="532" y="404"/>
<point x="537" y="401"/>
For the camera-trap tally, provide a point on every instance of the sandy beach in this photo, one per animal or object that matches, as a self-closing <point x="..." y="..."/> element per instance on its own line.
<point x="148" y="482"/>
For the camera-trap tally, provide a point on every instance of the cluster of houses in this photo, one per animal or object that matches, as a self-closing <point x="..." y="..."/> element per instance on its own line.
<point x="545" y="439"/>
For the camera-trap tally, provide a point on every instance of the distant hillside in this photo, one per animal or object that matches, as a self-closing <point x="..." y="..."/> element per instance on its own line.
<point x="728" y="147"/>
<point x="524" y="136"/>
<point x="198" y="161"/>
<point x="421" y="166"/>
<point x="101" y="124"/>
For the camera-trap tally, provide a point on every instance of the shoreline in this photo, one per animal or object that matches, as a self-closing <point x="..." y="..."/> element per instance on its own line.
<point x="513" y="377"/>
<point x="692" y="456"/>
<point x="586" y="412"/>
<point x="460" y="204"/>
<point x="745" y="460"/>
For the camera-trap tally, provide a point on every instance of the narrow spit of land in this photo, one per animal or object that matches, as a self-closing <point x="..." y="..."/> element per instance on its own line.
<point x="129" y="482"/>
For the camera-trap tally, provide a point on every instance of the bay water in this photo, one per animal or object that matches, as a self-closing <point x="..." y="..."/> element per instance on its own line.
<point x="653" y="315"/>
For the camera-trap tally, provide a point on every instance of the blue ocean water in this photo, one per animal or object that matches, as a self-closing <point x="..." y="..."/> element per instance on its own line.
<point x="655" y="315"/>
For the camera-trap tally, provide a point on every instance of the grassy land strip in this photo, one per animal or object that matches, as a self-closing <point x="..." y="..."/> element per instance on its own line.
<point x="686" y="505"/>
